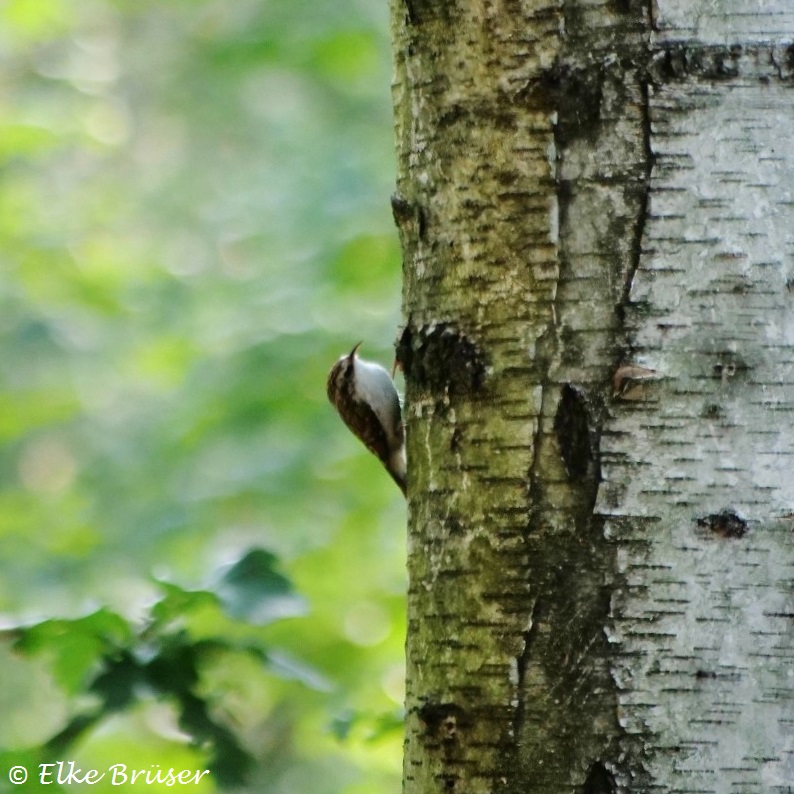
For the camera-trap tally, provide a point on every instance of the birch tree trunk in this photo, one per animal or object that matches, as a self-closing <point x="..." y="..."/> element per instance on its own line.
<point x="596" y="205"/>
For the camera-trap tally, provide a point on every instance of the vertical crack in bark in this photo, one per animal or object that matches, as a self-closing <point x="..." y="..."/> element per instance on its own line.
<point x="644" y="199"/>
<point x="522" y="662"/>
<point x="537" y="610"/>
<point x="651" y="12"/>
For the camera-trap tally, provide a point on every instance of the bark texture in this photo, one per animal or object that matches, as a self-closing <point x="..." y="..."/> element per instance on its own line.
<point x="600" y="555"/>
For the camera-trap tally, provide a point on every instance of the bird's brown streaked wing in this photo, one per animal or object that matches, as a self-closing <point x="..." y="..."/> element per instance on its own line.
<point x="364" y="424"/>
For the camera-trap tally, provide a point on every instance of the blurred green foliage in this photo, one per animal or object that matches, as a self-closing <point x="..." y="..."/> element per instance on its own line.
<point x="194" y="224"/>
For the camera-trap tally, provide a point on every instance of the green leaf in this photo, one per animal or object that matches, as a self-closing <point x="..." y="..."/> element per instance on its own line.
<point x="174" y="668"/>
<point x="177" y="602"/>
<point x="342" y="724"/>
<point x="253" y="590"/>
<point x="76" y="646"/>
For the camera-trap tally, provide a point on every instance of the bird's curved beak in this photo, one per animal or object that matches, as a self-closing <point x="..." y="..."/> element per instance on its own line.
<point x="355" y="349"/>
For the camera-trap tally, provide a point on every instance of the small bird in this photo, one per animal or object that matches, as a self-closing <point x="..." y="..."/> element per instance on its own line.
<point x="366" y="398"/>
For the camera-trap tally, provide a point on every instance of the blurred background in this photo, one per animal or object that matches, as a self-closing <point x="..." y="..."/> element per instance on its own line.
<point x="199" y="564"/>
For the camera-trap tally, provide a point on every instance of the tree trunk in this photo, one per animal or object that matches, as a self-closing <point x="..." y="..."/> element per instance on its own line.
<point x="596" y="208"/>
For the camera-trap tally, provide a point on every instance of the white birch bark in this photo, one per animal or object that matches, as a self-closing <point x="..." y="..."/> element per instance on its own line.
<point x="702" y="621"/>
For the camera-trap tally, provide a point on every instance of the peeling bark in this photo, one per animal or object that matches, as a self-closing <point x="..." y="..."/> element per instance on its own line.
<point x="596" y="207"/>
